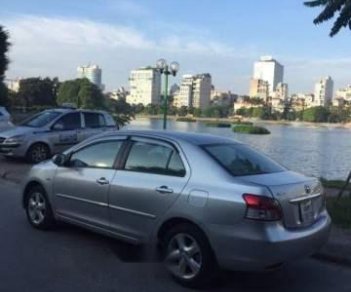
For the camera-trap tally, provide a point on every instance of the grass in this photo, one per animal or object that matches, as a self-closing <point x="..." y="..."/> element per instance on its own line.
<point x="340" y="211"/>
<point x="185" y="119"/>
<point x="250" y="129"/>
<point x="218" y="124"/>
<point x="336" y="184"/>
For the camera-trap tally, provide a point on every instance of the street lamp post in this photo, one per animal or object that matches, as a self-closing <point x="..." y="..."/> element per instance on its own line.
<point x="167" y="70"/>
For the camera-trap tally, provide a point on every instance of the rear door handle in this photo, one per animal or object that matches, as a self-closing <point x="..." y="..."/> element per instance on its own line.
<point x="164" y="190"/>
<point x="102" y="181"/>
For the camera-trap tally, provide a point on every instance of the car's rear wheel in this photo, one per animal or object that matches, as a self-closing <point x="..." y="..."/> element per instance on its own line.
<point x="37" y="153"/>
<point x="188" y="256"/>
<point x="38" y="208"/>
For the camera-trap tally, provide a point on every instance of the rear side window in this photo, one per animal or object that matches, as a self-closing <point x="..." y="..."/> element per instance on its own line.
<point x="241" y="160"/>
<point x="153" y="158"/>
<point x="94" y="120"/>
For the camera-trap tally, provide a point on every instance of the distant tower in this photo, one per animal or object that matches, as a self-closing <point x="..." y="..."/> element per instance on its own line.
<point x="270" y="70"/>
<point x="323" y="91"/>
<point x="91" y="72"/>
<point x="145" y="86"/>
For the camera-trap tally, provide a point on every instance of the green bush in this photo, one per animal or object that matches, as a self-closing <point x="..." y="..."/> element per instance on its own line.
<point x="250" y="129"/>
<point x="340" y="211"/>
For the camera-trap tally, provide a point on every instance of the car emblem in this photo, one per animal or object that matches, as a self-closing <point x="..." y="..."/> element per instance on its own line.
<point x="307" y="189"/>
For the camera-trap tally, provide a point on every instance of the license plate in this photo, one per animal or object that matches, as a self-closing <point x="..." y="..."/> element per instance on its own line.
<point x="307" y="212"/>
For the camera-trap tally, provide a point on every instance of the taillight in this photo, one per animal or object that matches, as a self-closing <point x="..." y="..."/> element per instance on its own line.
<point x="262" y="208"/>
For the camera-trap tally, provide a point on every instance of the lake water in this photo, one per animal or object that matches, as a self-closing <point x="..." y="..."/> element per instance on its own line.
<point x="321" y="152"/>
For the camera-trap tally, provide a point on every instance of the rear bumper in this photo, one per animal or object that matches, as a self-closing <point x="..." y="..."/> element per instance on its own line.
<point x="257" y="245"/>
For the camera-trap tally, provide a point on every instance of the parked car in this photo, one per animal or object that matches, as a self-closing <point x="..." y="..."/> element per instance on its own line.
<point x="208" y="201"/>
<point x="52" y="131"/>
<point x="5" y="119"/>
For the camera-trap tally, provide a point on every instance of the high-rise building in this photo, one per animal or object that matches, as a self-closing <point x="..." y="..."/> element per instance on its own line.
<point x="145" y="86"/>
<point x="91" y="72"/>
<point x="194" y="91"/>
<point x="202" y="90"/>
<point x="323" y="91"/>
<point x="344" y="93"/>
<point x="282" y="91"/>
<point x="13" y="84"/>
<point x="268" y="69"/>
<point x="184" y="96"/>
<point x="259" y="88"/>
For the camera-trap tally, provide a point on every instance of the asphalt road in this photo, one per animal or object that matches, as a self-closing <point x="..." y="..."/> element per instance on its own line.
<point x="72" y="259"/>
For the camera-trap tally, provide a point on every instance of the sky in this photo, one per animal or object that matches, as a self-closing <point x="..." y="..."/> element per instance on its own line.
<point x="223" y="37"/>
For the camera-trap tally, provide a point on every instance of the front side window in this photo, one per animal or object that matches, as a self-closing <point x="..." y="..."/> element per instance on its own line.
<point x="41" y="119"/>
<point x="241" y="160"/>
<point x="153" y="158"/>
<point x="100" y="155"/>
<point x="94" y="120"/>
<point x="70" y="121"/>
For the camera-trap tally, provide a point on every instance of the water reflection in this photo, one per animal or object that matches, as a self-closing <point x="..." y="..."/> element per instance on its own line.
<point x="314" y="151"/>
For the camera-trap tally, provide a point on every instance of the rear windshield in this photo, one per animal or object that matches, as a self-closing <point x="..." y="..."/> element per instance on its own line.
<point x="242" y="160"/>
<point x="41" y="119"/>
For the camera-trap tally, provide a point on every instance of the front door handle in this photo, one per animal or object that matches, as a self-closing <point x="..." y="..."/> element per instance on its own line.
<point x="164" y="190"/>
<point x="102" y="181"/>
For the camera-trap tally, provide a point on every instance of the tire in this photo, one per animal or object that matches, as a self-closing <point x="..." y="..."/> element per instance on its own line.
<point x="188" y="256"/>
<point x="38" y="152"/>
<point x="38" y="209"/>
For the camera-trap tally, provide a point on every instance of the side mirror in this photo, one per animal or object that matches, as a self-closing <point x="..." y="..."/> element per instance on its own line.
<point x="58" y="127"/>
<point x="60" y="159"/>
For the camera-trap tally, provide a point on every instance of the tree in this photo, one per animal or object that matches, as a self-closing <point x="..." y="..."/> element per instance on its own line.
<point x="317" y="114"/>
<point x="37" y="91"/>
<point x="122" y="111"/>
<point x="332" y="7"/>
<point x="4" y="61"/>
<point x="81" y="92"/>
<point x="183" y="111"/>
<point x="68" y="92"/>
<point x="216" y="111"/>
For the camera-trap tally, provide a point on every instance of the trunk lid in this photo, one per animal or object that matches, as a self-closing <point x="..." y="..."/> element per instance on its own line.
<point x="300" y="197"/>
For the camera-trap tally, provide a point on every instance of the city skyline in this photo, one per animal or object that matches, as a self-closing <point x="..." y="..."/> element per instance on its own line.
<point x="124" y="35"/>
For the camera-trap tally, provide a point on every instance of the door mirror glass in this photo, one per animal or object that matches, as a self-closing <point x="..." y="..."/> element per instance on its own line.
<point x="60" y="159"/>
<point x="58" y="127"/>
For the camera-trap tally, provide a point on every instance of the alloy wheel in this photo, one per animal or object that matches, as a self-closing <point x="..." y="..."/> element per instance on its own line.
<point x="37" y="208"/>
<point x="183" y="258"/>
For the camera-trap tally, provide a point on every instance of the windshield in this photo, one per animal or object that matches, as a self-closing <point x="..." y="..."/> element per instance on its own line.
<point x="241" y="160"/>
<point x="41" y="119"/>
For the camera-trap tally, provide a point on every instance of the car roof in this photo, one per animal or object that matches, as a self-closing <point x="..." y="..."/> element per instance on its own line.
<point x="67" y="110"/>
<point x="190" y="137"/>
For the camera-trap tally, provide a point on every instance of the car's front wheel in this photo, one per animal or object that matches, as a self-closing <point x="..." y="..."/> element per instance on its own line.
<point x="188" y="256"/>
<point x="37" y="153"/>
<point x="38" y="209"/>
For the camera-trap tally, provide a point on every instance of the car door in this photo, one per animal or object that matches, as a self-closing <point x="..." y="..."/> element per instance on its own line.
<point x="65" y="132"/>
<point x="152" y="177"/>
<point x="81" y="187"/>
<point x="94" y="123"/>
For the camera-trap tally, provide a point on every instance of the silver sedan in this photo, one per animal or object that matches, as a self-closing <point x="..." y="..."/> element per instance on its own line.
<point x="207" y="201"/>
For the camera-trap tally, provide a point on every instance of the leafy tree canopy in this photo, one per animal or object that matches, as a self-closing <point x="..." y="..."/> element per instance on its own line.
<point x="4" y="46"/>
<point x="37" y="91"/>
<point x="81" y="92"/>
<point x="331" y="8"/>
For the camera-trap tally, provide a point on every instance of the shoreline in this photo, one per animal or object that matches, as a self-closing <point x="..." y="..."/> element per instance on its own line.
<point x="256" y="121"/>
